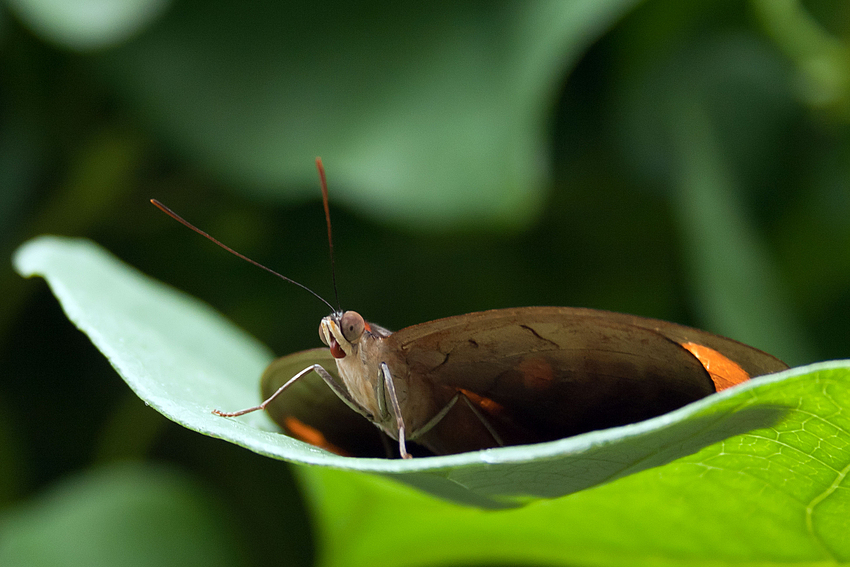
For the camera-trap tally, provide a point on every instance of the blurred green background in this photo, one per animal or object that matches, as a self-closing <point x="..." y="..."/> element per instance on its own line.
<point x="688" y="161"/>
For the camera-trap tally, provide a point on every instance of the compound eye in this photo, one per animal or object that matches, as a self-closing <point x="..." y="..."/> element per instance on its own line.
<point x="352" y="326"/>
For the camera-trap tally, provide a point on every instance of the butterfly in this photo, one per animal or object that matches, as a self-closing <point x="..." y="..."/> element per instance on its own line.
<point x="496" y="378"/>
<point x="491" y="378"/>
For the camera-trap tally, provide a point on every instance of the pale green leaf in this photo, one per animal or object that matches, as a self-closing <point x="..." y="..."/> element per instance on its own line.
<point x="88" y="24"/>
<point x="431" y="114"/>
<point x="128" y="515"/>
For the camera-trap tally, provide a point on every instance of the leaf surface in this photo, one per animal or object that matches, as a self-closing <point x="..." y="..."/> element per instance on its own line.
<point x="789" y="429"/>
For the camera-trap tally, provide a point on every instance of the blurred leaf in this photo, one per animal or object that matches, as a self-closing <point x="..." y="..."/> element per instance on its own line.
<point x="706" y="123"/>
<point x="735" y="282"/>
<point x="87" y="24"/>
<point x="103" y="171"/>
<point x="130" y="432"/>
<point x="745" y="89"/>
<point x="432" y="114"/>
<point x="184" y="360"/>
<point x="127" y="316"/>
<point x="128" y="515"/>
<point x="823" y="61"/>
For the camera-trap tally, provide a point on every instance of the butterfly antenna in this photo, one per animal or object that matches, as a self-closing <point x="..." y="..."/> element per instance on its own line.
<point x="324" y="183"/>
<point x="186" y="223"/>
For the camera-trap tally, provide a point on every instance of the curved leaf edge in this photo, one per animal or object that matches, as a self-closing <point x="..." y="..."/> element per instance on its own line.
<point x="553" y="449"/>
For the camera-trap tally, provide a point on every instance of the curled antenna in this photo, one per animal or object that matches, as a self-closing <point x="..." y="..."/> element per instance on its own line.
<point x="186" y="223"/>
<point x="324" y="183"/>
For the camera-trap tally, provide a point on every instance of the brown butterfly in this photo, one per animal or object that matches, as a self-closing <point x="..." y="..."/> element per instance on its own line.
<point x="500" y="377"/>
<point x="493" y="378"/>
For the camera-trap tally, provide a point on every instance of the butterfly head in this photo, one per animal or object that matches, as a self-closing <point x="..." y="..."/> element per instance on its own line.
<point x="342" y="332"/>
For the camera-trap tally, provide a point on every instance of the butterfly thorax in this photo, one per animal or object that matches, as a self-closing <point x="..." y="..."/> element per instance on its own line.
<point x="359" y="356"/>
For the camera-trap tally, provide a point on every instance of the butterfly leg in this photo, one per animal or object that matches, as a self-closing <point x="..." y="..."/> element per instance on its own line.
<point x="386" y="378"/>
<point x="443" y="412"/>
<point x="483" y="419"/>
<point x="329" y="380"/>
<point x="439" y="417"/>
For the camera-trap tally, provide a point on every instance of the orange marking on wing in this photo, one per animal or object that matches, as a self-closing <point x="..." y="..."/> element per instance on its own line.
<point x="724" y="372"/>
<point x="537" y="374"/>
<point x="486" y="404"/>
<point x="311" y="435"/>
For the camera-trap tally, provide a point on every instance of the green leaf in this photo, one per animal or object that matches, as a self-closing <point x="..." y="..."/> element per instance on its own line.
<point x="87" y="24"/>
<point x="185" y="360"/>
<point x="777" y="496"/>
<point x="130" y="515"/>
<point x="755" y="475"/>
<point x="425" y="113"/>
<point x="176" y="352"/>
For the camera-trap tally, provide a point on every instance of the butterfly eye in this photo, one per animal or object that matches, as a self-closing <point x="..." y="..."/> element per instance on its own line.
<point x="352" y="326"/>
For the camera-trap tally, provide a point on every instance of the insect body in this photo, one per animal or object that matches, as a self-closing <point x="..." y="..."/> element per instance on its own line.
<point x="505" y="377"/>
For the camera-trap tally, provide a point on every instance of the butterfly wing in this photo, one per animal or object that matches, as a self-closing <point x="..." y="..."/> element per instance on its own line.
<point x="753" y="361"/>
<point x="542" y="373"/>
